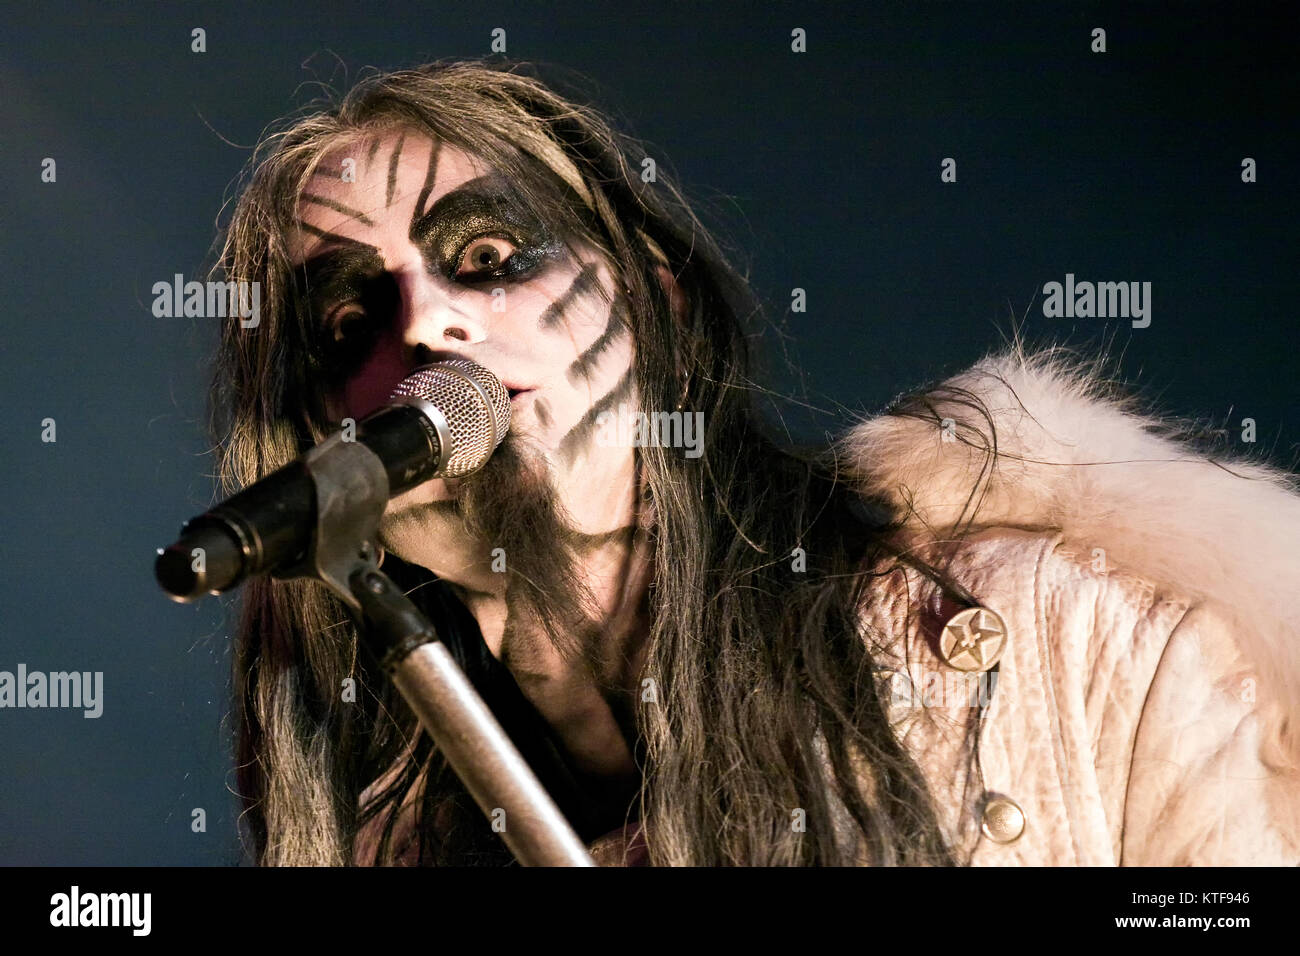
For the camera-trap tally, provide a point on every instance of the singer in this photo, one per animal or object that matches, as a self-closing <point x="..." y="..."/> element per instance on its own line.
<point x="1009" y="621"/>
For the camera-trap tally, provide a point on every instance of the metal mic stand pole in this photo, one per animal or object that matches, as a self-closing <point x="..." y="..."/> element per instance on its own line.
<point x="351" y="495"/>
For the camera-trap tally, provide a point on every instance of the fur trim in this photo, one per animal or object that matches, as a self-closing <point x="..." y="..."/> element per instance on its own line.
<point x="1074" y="454"/>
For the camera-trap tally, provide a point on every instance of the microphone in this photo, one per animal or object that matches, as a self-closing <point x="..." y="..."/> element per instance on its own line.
<point x="443" y="421"/>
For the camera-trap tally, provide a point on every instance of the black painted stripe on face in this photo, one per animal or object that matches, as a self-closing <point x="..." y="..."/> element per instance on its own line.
<point x="374" y="148"/>
<point x="430" y="175"/>
<point x="583" y="365"/>
<point x="392" y="169"/>
<point x="583" y="283"/>
<point x="543" y="412"/>
<point x="323" y="170"/>
<point x="580" y="433"/>
<point x="360" y="217"/>
<point x="333" y="236"/>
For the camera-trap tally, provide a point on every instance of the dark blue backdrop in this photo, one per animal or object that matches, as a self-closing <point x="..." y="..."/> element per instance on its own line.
<point x="822" y="168"/>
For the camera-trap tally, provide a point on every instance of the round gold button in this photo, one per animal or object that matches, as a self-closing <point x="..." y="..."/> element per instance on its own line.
<point x="1004" y="821"/>
<point x="973" y="639"/>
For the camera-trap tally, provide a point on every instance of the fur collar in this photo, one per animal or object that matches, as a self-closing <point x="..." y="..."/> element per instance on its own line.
<point x="1073" y="453"/>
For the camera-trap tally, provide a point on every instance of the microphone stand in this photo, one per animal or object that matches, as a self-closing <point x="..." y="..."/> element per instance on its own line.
<point x="351" y="494"/>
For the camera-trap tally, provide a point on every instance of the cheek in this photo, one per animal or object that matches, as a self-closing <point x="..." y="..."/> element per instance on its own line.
<point x="574" y="410"/>
<point x="374" y="381"/>
<point x="566" y="407"/>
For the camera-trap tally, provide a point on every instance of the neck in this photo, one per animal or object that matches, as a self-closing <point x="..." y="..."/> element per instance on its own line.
<point x="582" y="680"/>
<point x="588" y="698"/>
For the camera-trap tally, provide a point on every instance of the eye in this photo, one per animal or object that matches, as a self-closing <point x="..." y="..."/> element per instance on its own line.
<point x="484" y="257"/>
<point x="349" y="322"/>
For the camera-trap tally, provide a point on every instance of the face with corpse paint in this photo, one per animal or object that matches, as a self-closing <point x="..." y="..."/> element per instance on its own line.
<point x="428" y="256"/>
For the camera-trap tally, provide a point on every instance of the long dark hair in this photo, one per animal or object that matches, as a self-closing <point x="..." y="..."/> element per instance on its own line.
<point x="764" y="697"/>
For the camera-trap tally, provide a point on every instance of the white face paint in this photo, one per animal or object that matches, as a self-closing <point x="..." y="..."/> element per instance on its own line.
<point x="415" y="262"/>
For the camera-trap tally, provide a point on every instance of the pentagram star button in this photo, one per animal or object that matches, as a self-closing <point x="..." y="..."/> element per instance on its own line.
<point x="973" y="639"/>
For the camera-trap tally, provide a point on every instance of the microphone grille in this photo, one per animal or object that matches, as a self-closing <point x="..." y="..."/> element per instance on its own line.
<point x="472" y="400"/>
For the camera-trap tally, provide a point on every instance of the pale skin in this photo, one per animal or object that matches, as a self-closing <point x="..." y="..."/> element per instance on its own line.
<point x="551" y="341"/>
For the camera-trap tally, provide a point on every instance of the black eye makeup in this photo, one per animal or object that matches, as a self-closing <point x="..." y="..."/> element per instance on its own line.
<point x="479" y="234"/>
<point x="350" y="298"/>
<point x="463" y="234"/>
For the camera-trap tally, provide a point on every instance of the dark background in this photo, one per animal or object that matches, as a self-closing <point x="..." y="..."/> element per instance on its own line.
<point x="821" y="168"/>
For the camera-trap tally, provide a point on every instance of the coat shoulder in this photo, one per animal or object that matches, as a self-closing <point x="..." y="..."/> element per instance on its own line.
<point x="1046" y="477"/>
<point x="1121" y="719"/>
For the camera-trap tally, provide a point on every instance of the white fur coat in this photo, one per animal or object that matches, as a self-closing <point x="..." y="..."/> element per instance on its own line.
<point x="1079" y="467"/>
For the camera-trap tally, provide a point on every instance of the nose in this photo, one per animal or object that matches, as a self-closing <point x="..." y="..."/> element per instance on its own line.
<point x="435" y="319"/>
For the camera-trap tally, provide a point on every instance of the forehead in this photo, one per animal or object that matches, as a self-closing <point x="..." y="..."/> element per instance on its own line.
<point x="371" y="188"/>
